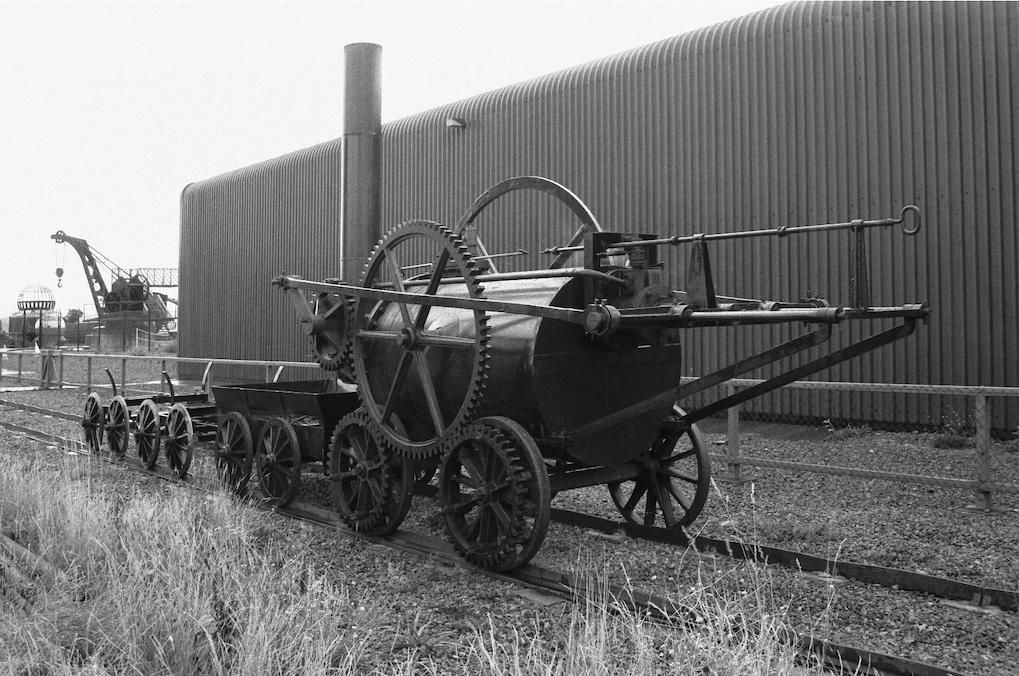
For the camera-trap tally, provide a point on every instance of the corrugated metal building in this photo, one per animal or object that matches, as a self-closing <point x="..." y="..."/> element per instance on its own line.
<point x="805" y="113"/>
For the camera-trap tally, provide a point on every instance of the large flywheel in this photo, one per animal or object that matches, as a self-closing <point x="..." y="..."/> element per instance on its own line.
<point x="419" y="368"/>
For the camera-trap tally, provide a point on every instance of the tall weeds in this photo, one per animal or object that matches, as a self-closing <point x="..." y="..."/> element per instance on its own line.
<point x="169" y="582"/>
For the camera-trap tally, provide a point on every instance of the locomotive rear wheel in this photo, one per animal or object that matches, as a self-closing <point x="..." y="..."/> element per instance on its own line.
<point x="93" y="422"/>
<point x="180" y="440"/>
<point x="147" y="433"/>
<point x="372" y="488"/>
<point x="674" y="481"/>
<point x="235" y="451"/>
<point x="416" y="350"/>
<point x="118" y="426"/>
<point x="494" y="494"/>
<point x="278" y="462"/>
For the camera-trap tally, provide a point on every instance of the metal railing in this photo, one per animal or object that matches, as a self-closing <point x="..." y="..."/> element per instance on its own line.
<point x="982" y="485"/>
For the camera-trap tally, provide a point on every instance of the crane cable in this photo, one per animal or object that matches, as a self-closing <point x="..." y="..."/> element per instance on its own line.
<point x="63" y="259"/>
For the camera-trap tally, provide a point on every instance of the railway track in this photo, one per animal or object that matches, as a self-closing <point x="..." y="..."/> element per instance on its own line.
<point x="657" y="608"/>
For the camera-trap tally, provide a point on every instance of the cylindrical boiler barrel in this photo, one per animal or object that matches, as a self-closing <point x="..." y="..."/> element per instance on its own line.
<point x="546" y="374"/>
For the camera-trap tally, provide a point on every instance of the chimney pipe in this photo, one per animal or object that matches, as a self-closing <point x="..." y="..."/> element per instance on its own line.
<point x="361" y="171"/>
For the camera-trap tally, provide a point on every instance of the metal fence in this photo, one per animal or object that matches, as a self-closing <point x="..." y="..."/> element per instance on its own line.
<point x="969" y="428"/>
<point x="972" y="428"/>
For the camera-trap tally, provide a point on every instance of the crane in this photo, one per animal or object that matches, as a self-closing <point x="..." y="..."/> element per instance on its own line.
<point x="129" y="290"/>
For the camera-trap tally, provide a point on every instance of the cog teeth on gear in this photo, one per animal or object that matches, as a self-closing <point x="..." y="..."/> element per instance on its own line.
<point x="500" y="448"/>
<point x="460" y="256"/>
<point x="378" y="510"/>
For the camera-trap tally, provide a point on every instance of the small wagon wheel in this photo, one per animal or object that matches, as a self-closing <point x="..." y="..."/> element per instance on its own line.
<point x="278" y="461"/>
<point x="494" y="494"/>
<point x="400" y="355"/>
<point x="674" y="480"/>
<point x="180" y="440"/>
<point x="118" y="426"/>
<point x="235" y="451"/>
<point x="147" y="433"/>
<point x="93" y="422"/>
<point x="372" y="488"/>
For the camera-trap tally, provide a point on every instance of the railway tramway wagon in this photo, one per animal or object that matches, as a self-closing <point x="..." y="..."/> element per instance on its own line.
<point x="275" y="430"/>
<point x="519" y="385"/>
<point x="174" y="421"/>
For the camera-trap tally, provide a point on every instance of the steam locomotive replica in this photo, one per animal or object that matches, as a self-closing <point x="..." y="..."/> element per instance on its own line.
<point x="518" y="385"/>
<point x="507" y="387"/>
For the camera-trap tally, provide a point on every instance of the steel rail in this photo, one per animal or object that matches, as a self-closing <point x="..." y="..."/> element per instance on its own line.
<point x="842" y="658"/>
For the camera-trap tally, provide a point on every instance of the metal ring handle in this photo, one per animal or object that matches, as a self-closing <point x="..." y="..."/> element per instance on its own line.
<point x="902" y="219"/>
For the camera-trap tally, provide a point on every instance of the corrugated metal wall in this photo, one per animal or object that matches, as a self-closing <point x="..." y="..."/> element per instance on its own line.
<point x="240" y="230"/>
<point x="805" y="113"/>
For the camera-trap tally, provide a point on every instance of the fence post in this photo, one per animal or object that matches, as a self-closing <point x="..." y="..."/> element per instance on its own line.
<point x="88" y="374"/>
<point x="732" y="439"/>
<point x="162" y="370"/>
<point x="3" y="353"/>
<point x="60" y="375"/>
<point x="982" y="422"/>
<point x="268" y="372"/>
<point x="20" y="358"/>
<point x="123" y="375"/>
<point x="207" y="380"/>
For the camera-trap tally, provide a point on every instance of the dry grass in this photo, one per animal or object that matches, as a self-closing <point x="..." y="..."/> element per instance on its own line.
<point x="168" y="582"/>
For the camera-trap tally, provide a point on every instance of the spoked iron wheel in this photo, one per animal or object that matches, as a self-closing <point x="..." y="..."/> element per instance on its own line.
<point x="93" y="423"/>
<point x="235" y="451"/>
<point x="494" y="494"/>
<point x="372" y="488"/>
<point x="118" y="426"/>
<point x="180" y="440"/>
<point x="147" y="433"/>
<point x="278" y="461"/>
<point x="675" y="475"/>
<point x="420" y="368"/>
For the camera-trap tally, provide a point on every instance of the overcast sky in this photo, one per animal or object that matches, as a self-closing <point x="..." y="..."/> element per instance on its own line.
<point x="107" y="110"/>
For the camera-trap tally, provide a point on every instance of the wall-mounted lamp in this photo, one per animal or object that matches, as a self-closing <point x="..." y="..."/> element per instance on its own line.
<point x="455" y="123"/>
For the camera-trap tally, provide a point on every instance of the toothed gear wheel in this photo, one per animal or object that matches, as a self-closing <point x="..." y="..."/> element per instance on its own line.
<point x="362" y="472"/>
<point x="420" y="368"/>
<point x="331" y="347"/>
<point x="494" y="495"/>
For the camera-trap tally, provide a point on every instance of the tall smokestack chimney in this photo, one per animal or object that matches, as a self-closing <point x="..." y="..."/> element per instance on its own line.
<point x="361" y="173"/>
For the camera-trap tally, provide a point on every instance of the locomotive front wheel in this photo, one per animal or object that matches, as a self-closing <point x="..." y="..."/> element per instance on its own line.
<point x="93" y="422"/>
<point x="147" y="433"/>
<point x="180" y="440"/>
<point x="674" y="480"/>
<point x="235" y="451"/>
<point x="494" y="494"/>
<point x="278" y="462"/>
<point x="118" y="426"/>
<point x="372" y="488"/>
